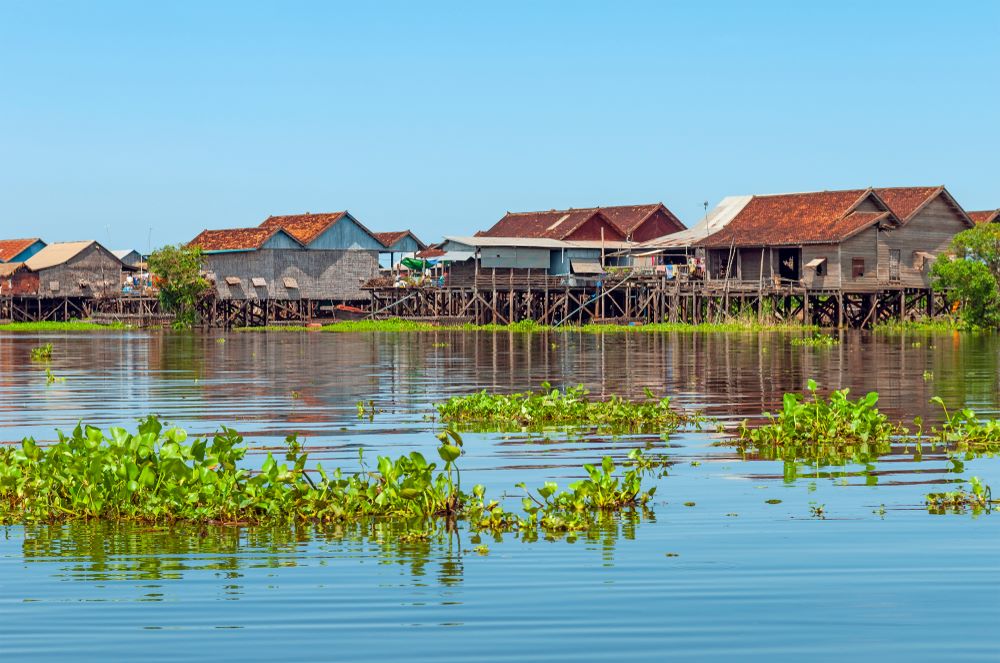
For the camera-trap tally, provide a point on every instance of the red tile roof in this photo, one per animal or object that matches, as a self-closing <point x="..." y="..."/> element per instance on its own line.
<point x="390" y="237"/>
<point x="9" y="248"/>
<point x="232" y="239"/>
<point x="627" y="218"/>
<point x="985" y="216"/>
<point x="554" y="224"/>
<point x="303" y="227"/>
<point x="905" y="201"/>
<point x="798" y="218"/>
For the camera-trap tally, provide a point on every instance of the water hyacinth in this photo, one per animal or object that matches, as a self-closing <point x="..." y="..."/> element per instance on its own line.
<point x="157" y="475"/>
<point x="551" y="408"/>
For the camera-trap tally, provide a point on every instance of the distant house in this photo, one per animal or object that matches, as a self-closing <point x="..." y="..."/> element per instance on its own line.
<point x="858" y="239"/>
<point x="399" y="244"/>
<point x="71" y="269"/>
<point x="635" y="223"/>
<point x="985" y="216"/>
<point x="539" y="255"/>
<point x="16" y="279"/>
<point x="324" y="257"/>
<point x="333" y="230"/>
<point x="129" y="257"/>
<point x="19" y="250"/>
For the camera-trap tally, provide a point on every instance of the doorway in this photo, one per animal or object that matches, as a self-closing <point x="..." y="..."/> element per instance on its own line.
<point x="789" y="264"/>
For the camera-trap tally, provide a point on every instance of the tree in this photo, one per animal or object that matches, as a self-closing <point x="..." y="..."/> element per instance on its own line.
<point x="177" y="273"/>
<point x="971" y="279"/>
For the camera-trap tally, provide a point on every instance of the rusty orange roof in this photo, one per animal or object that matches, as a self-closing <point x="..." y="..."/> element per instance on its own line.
<point x="820" y="217"/>
<point x="985" y="216"/>
<point x="9" y="248"/>
<point x="233" y="239"/>
<point x="553" y="224"/>
<point x="303" y="227"/>
<point x="627" y="218"/>
<point x="906" y="201"/>
<point x="390" y="237"/>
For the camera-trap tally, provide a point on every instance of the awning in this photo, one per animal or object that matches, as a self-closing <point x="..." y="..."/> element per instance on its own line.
<point x="258" y="282"/>
<point x="815" y="262"/>
<point x="921" y="258"/>
<point x="232" y="280"/>
<point x="585" y="267"/>
<point x="457" y="256"/>
<point x="290" y="282"/>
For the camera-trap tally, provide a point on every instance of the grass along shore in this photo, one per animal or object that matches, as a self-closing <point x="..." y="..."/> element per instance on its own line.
<point x="69" y="326"/>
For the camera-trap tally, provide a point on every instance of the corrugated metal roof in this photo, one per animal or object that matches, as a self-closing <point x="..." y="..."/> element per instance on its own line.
<point x="9" y="248"/>
<point x="985" y="216"/>
<point x="8" y="268"/>
<point x="56" y="254"/>
<point x="714" y="221"/>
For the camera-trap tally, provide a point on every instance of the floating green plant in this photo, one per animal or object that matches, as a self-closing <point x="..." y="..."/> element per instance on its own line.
<point x="42" y="352"/>
<point x="552" y="408"/>
<point x="157" y="475"/>
<point x="836" y="420"/>
<point x="51" y="378"/>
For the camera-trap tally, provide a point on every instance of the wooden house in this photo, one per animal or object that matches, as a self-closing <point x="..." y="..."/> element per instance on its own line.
<point x="399" y="244"/>
<point x="634" y="223"/>
<point x="17" y="280"/>
<point x="19" y="250"/>
<point x="985" y="216"/>
<point x="71" y="269"/>
<point x="271" y="262"/>
<point x="538" y="255"/>
<point x="129" y="257"/>
<point x="855" y="240"/>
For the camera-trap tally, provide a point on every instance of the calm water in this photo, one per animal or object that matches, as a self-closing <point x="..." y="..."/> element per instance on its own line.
<point x="730" y="576"/>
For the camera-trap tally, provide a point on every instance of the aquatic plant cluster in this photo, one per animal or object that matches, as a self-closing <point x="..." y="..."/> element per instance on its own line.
<point x="156" y="475"/>
<point x="551" y="408"/>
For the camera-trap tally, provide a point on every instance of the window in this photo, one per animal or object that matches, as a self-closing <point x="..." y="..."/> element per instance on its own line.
<point x="857" y="267"/>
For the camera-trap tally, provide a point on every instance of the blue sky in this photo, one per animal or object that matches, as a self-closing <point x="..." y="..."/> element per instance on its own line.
<point x="129" y="121"/>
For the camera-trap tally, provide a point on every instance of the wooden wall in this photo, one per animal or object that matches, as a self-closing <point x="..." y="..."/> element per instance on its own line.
<point x="930" y="231"/>
<point x="335" y="275"/>
<point x="97" y="268"/>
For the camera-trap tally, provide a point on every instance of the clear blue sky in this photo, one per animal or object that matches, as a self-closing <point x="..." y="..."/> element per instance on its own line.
<point x="178" y="116"/>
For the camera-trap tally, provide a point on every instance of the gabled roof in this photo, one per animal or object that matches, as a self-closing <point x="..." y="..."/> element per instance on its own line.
<point x="627" y="218"/>
<point x="305" y="227"/>
<point x="907" y="201"/>
<point x="10" y="248"/>
<point x="717" y="219"/>
<point x="820" y="217"/>
<point x="235" y="239"/>
<point x="8" y="268"/>
<point x="57" y="254"/>
<point x="123" y="253"/>
<point x="390" y="237"/>
<point x="985" y="216"/>
<point x="553" y="224"/>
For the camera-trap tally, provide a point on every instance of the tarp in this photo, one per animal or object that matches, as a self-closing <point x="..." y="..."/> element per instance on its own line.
<point x="418" y="264"/>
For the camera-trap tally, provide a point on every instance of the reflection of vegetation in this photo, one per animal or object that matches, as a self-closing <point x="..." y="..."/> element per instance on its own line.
<point x="816" y="340"/>
<point x="552" y="408"/>
<point x="530" y="326"/>
<point x="977" y="500"/>
<point x="42" y="352"/>
<point x="101" y="551"/>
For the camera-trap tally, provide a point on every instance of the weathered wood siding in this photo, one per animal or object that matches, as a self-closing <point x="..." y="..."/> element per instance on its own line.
<point x="94" y="272"/>
<point x="869" y="245"/>
<point x="831" y="278"/>
<point x="321" y="275"/>
<point x="930" y="231"/>
<point x="346" y="234"/>
<point x="280" y="240"/>
<point x="406" y="245"/>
